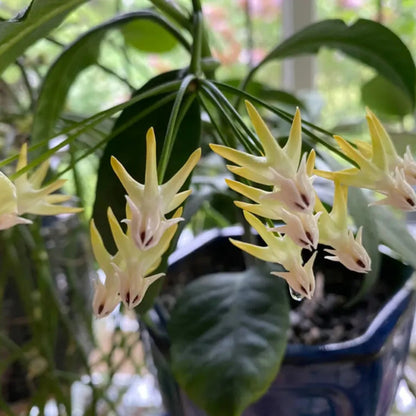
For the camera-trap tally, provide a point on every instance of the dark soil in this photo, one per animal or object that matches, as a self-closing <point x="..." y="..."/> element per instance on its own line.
<point x="329" y="317"/>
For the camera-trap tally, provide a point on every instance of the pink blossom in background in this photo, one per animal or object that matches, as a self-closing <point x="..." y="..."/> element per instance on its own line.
<point x="159" y="64"/>
<point x="257" y="54"/>
<point x="351" y="4"/>
<point x="218" y="20"/>
<point x="266" y="9"/>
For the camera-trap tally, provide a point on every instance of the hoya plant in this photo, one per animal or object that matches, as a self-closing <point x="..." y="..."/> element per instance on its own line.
<point x="227" y="332"/>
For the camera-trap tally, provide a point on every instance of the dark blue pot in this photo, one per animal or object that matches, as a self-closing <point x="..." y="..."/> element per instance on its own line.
<point x="353" y="378"/>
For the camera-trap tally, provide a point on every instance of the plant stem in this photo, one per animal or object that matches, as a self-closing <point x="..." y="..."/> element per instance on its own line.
<point x="170" y="10"/>
<point x="195" y="66"/>
<point x="170" y="131"/>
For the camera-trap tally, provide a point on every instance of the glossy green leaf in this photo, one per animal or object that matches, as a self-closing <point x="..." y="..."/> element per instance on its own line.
<point x="383" y="97"/>
<point x="148" y="36"/>
<point x="267" y="93"/>
<point x="30" y="25"/>
<point x="228" y="334"/>
<point x="81" y="54"/>
<point x="363" y="216"/>
<point x="129" y="147"/>
<point x="366" y="41"/>
<point x="395" y="235"/>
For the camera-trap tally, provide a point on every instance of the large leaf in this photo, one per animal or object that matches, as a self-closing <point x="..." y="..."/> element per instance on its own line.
<point x="386" y="98"/>
<point x="395" y="235"/>
<point x="30" y="25"/>
<point x="81" y="54"/>
<point x="129" y="147"/>
<point x="228" y="333"/>
<point x="148" y="36"/>
<point x="369" y="42"/>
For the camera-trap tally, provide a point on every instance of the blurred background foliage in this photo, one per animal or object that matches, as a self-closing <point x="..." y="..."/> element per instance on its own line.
<point x="45" y="346"/>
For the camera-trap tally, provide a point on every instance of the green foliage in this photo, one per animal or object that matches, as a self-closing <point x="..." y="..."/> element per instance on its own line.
<point x="385" y="98"/>
<point x="148" y="36"/>
<point x="128" y="145"/>
<point x="81" y="54"/>
<point x="228" y="333"/>
<point x="366" y="41"/>
<point x="30" y="25"/>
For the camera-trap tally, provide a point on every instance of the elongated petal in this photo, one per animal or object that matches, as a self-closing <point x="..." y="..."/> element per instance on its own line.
<point x="273" y="152"/>
<point x="173" y="185"/>
<point x="263" y="253"/>
<point x="120" y="238"/>
<point x="133" y="188"/>
<point x="151" y="187"/>
<point x="381" y="141"/>
<point x="37" y="177"/>
<point x="241" y="158"/>
<point x="294" y="144"/>
<point x="248" y="191"/>
<point x="102" y="256"/>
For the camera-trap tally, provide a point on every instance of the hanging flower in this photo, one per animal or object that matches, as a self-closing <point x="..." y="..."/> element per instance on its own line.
<point x="334" y="232"/>
<point x="149" y="202"/>
<point x="379" y="168"/>
<point x="8" y="204"/>
<point x="128" y="272"/>
<point x="27" y="196"/>
<point x="32" y="198"/>
<point x="301" y="227"/>
<point x="282" y="168"/>
<point x="284" y="251"/>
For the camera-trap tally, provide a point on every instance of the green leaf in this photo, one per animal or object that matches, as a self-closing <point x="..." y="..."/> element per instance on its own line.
<point x="81" y="54"/>
<point x="267" y="93"/>
<point x="364" y="216"/>
<point x="148" y="36"/>
<point x="386" y="98"/>
<point x="366" y="41"/>
<point x="129" y="147"/>
<point x="395" y="235"/>
<point x="228" y="333"/>
<point x="30" y="25"/>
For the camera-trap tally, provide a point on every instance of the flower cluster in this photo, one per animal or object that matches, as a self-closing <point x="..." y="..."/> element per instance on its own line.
<point x="147" y="237"/>
<point x="379" y="168"/>
<point x="25" y="195"/>
<point x="291" y="199"/>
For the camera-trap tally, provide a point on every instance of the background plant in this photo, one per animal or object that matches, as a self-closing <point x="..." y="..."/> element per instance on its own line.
<point x="197" y="103"/>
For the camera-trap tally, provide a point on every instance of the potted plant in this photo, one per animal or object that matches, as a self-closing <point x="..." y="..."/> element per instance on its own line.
<point x="225" y="337"/>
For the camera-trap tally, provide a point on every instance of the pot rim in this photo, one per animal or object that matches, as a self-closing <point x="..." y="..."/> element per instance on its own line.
<point x="369" y="343"/>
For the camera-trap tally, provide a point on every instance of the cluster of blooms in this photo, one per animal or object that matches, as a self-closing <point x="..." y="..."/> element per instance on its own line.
<point x="148" y="234"/>
<point x="25" y="195"/>
<point x="291" y="198"/>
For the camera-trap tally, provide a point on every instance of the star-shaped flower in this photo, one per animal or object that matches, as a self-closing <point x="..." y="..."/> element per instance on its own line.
<point x="8" y="204"/>
<point x="281" y="167"/>
<point x="301" y="227"/>
<point x="284" y="251"/>
<point x="380" y="168"/>
<point x="150" y="202"/>
<point x="32" y="198"/>
<point x="334" y="232"/>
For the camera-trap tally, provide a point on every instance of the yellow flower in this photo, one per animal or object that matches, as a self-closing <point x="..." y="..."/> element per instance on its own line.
<point x="301" y="227"/>
<point x="8" y="204"/>
<point x="283" y="168"/>
<point x="284" y="251"/>
<point x="34" y="199"/>
<point x="149" y="202"/>
<point x="128" y="271"/>
<point x="379" y="168"/>
<point x="334" y="232"/>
